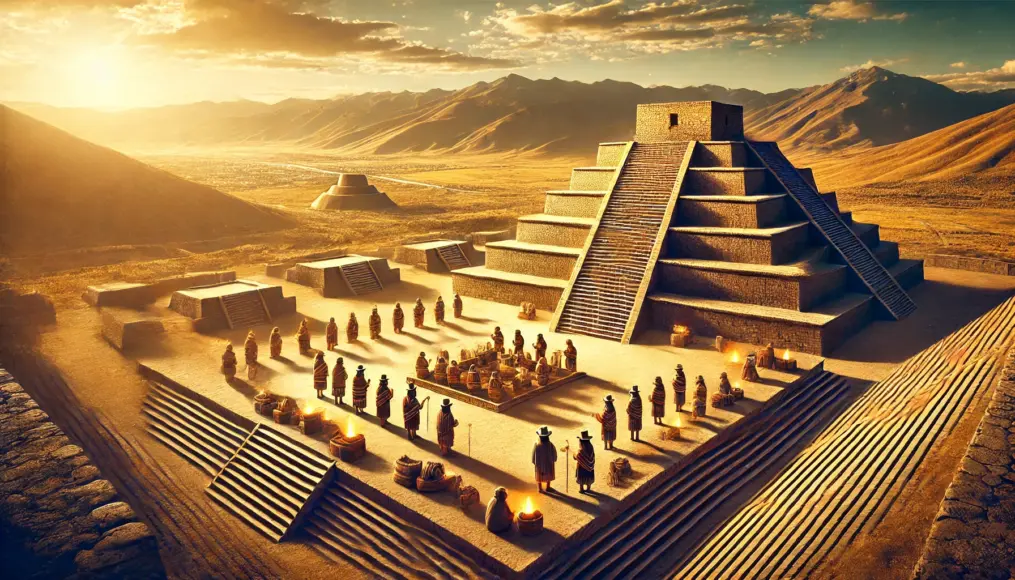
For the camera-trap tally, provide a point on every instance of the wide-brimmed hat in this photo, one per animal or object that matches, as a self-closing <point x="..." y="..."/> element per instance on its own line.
<point x="680" y="367"/>
<point x="608" y="399"/>
<point x="634" y="390"/>
<point x="446" y="404"/>
<point x="384" y="377"/>
<point x="360" y="368"/>
<point x="544" y="431"/>
<point x="585" y="436"/>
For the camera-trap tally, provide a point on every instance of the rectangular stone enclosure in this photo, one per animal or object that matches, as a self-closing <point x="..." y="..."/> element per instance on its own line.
<point x="690" y="121"/>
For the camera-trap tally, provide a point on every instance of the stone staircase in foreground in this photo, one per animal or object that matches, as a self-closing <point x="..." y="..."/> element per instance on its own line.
<point x="842" y="485"/>
<point x="640" y="542"/>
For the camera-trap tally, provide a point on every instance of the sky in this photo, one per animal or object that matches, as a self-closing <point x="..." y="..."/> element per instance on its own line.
<point x="115" y="54"/>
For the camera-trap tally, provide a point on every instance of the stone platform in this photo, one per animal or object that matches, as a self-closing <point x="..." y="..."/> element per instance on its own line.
<point x="491" y="449"/>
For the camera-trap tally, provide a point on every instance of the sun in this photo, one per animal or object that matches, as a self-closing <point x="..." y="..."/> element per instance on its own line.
<point x="96" y="77"/>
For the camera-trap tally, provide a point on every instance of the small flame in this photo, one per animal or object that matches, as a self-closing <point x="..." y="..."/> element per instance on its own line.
<point x="351" y="430"/>
<point x="308" y="410"/>
<point x="678" y="421"/>
<point x="785" y="354"/>
<point x="528" y="509"/>
<point x="736" y="384"/>
<point x="736" y="357"/>
<point x="681" y="329"/>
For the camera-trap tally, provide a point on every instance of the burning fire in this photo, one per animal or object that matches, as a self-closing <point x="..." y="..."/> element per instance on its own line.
<point x="351" y="430"/>
<point x="785" y="354"/>
<point x="308" y="410"/>
<point x="735" y="357"/>
<point x="678" y="421"/>
<point x="528" y="509"/>
<point x="737" y="384"/>
<point x="681" y="329"/>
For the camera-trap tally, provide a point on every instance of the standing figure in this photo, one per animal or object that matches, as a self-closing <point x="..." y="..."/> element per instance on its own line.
<point x="766" y="358"/>
<point x="750" y="370"/>
<point x="544" y="458"/>
<point x="422" y="367"/>
<point x="275" y="343"/>
<point x="338" y="377"/>
<point x="498" y="515"/>
<point x="418" y="312"/>
<point x="320" y="375"/>
<point x="398" y="319"/>
<point x="608" y="419"/>
<point x="410" y="411"/>
<point x="680" y="388"/>
<point x="658" y="401"/>
<point x="229" y="363"/>
<point x="543" y="372"/>
<point x="585" y="472"/>
<point x="384" y="396"/>
<point x="440" y="371"/>
<point x="446" y="424"/>
<point x="359" y="390"/>
<point x="498" y="340"/>
<point x="331" y="334"/>
<point x="454" y="374"/>
<point x="375" y="325"/>
<point x="457" y="305"/>
<point x="571" y="357"/>
<point x="634" y="412"/>
<point x="700" y="398"/>
<point x="472" y="380"/>
<point x="494" y="388"/>
<point x="352" y="329"/>
<point x="519" y="343"/>
<point x="250" y="354"/>
<point x="303" y="337"/>
<point x="540" y="347"/>
<point x="438" y="311"/>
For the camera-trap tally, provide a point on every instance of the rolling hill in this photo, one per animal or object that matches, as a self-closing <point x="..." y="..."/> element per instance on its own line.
<point x="61" y="192"/>
<point x="870" y="107"/>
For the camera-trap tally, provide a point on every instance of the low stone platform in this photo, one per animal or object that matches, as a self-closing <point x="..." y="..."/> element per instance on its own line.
<point x="481" y="400"/>
<point x="439" y="255"/>
<point x="348" y="275"/>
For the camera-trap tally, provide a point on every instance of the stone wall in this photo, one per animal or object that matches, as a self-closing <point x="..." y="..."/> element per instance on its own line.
<point x="794" y="293"/>
<point x="542" y="264"/>
<point x="689" y="121"/>
<point x="974" y="533"/>
<point x="506" y="292"/>
<point x="777" y="249"/>
<point x="60" y="517"/>
<point x="719" y="155"/>
<point x="610" y="154"/>
<point x="591" y="179"/>
<point x="553" y="234"/>
<point x="586" y="206"/>
<point x="971" y="264"/>
<point x="743" y="181"/>
<point x="730" y="214"/>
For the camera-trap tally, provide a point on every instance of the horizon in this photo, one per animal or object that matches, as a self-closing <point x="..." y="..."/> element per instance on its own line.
<point x="125" y="54"/>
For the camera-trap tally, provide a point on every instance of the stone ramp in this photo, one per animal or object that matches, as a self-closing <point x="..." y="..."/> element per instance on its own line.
<point x="348" y="526"/>
<point x="608" y="280"/>
<point x="848" y="478"/>
<point x="639" y="542"/>
<point x="859" y="257"/>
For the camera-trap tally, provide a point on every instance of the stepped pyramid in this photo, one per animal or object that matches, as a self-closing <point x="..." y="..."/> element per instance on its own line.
<point x="692" y="224"/>
<point x="352" y="191"/>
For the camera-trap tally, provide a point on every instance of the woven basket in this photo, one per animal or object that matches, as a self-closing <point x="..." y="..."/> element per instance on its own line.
<point x="405" y="481"/>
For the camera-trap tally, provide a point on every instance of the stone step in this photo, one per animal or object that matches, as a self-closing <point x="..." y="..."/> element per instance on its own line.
<point x="532" y="259"/>
<point x="730" y="211"/>
<point x="554" y="230"/>
<point x="777" y="245"/>
<point x="726" y="181"/>
<point x="508" y="287"/>
<point x="584" y="204"/>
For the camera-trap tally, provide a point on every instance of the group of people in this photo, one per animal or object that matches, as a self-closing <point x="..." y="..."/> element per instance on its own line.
<point x="540" y="346"/>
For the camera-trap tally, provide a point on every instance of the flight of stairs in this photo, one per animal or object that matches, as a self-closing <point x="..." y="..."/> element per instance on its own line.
<point x="269" y="479"/>
<point x="245" y="309"/>
<point x="639" y="542"/>
<point x="843" y="484"/>
<point x="347" y="526"/>
<point x="361" y="278"/>
<point x="453" y="257"/>
<point x="843" y="238"/>
<point x="195" y="432"/>
<point x="602" y="297"/>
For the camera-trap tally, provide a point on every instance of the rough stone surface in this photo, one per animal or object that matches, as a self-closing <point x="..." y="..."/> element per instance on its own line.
<point x="974" y="535"/>
<point x="59" y="517"/>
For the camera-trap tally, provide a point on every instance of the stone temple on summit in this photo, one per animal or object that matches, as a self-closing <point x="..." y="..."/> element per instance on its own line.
<point x="692" y="224"/>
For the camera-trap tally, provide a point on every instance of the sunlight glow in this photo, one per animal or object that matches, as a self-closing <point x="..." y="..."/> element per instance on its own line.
<point x="96" y="76"/>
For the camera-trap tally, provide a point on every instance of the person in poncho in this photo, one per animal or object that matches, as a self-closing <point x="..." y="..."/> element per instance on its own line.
<point x="571" y="357"/>
<point x="331" y="334"/>
<point x="398" y="319"/>
<point x="422" y="367"/>
<point x="498" y="339"/>
<point x="303" y="337"/>
<point x="352" y="329"/>
<point x="275" y="343"/>
<point x="519" y="343"/>
<point x="320" y="375"/>
<point x="750" y="371"/>
<point x="585" y="472"/>
<point x="680" y="388"/>
<point x="454" y="374"/>
<point x="359" y="390"/>
<point x="540" y="347"/>
<point x="608" y="420"/>
<point x="446" y="424"/>
<point x="438" y="311"/>
<point x="457" y="305"/>
<point x="725" y="389"/>
<point x="634" y="412"/>
<point x="544" y="459"/>
<point x="338" y="377"/>
<point x="384" y="396"/>
<point x="658" y="401"/>
<point x="250" y="354"/>
<point x="410" y="411"/>
<point x="375" y="325"/>
<point x="700" y="398"/>
<point x="418" y="312"/>
<point x="229" y="363"/>
<point x="499" y="516"/>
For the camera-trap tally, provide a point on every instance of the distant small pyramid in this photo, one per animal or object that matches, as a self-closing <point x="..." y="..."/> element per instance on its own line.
<point x="353" y="192"/>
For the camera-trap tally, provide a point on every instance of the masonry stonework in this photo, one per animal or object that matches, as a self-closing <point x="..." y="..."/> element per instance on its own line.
<point x="505" y="292"/>
<point x="567" y="235"/>
<point x="586" y="206"/>
<point x="731" y="214"/>
<point x="542" y="264"/>
<point x="591" y="178"/>
<point x="689" y="121"/>
<point x="736" y="181"/>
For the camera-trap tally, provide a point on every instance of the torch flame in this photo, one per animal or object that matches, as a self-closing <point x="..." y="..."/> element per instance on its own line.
<point x="785" y="354"/>
<point x="350" y="431"/>
<point x="678" y="421"/>
<point x="308" y="410"/>
<point x="528" y="509"/>
<point x="737" y="384"/>
<point x="736" y="357"/>
<point x="681" y="329"/>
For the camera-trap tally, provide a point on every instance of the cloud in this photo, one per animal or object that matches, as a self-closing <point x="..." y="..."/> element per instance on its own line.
<point x="959" y="64"/>
<point x="851" y="10"/>
<point x="68" y="4"/>
<point x="253" y="28"/>
<point x="614" y="14"/>
<point x="1002" y="77"/>
<point x="872" y="63"/>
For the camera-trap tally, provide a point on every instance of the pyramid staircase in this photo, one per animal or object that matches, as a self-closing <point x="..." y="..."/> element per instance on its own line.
<point x="641" y="542"/>
<point x="361" y="278"/>
<point x="270" y="482"/>
<point x="245" y="309"/>
<point x="453" y="257"/>
<point x="347" y="526"/>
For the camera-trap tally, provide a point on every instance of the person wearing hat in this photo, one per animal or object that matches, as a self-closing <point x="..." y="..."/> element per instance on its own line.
<point x="331" y="334"/>
<point x="446" y="424"/>
<point x="608" y="419"/>
<point x="634" y="412"/>
<point x="544" y="458"/>
<point x="384" y="396"/>
<point x="320" y="375"/>
<point x="359" y="389"/>
<point x="680" y="388"/>
<point x="585" y="473"/>
<point x="352" y="328"/>
<point x="410" y="410"/>
<point x="338" y="377"/>
<point x="658" y="401"/>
